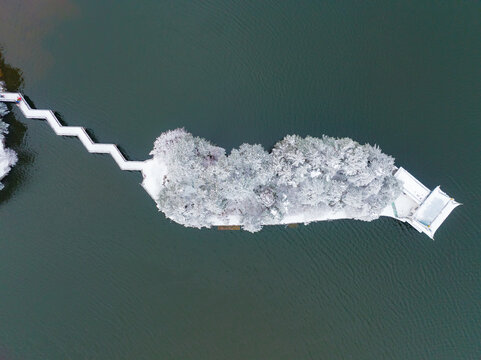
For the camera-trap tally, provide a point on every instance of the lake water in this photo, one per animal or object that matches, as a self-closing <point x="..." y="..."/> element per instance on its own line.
<point x="90" y="270"/>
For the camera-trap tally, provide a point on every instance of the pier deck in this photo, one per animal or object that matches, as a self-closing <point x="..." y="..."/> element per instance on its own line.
<point x="423" y="209"/>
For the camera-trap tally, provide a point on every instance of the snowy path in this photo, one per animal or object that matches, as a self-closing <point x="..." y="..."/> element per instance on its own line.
<point x="77" y="131"/>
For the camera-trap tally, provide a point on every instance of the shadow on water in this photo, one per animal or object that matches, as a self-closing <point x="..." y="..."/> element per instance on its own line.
<point x="57" y="115"/>
<point x="14" y="81"/>
<point x="123" y="152"/>
<point x="90" y="133"/>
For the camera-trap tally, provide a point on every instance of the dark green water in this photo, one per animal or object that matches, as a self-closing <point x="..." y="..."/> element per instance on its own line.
<point x="90" y="270"/>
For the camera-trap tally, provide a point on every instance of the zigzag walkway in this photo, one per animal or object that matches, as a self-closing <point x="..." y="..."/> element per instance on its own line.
<point x="77" y="131"/>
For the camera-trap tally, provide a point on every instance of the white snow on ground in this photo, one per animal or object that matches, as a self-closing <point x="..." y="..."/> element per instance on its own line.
<point x="8" y="157"/>
<point x="300" y="181"/>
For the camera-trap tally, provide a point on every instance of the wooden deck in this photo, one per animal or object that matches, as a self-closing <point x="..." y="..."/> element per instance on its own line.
<point x="238" y="227"/>
<point x="229" y="227"/>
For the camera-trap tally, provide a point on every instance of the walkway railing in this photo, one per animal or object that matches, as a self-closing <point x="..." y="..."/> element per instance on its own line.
<point x="77" y="131"/>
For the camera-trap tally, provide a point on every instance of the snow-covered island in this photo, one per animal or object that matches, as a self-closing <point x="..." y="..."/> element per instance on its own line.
<point x="301" y="180"/>
<point x="8" y="157"/>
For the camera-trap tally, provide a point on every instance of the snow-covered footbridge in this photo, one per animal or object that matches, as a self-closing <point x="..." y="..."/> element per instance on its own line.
<point x="77" y="131"/>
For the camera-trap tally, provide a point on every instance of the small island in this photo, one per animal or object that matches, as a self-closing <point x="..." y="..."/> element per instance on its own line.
<point x="302" y="180"/>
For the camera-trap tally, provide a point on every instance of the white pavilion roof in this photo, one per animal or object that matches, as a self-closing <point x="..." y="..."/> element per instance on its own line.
<point x="434" y="210"/>
<point x="425" y="210"/>
<point x="411" y="186"/>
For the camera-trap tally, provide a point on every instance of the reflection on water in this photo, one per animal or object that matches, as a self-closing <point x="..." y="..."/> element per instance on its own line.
<point x="12" y="76"/>
<point x="24" y="25"/>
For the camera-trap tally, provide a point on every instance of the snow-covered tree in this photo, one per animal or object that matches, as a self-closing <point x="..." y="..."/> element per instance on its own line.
<point x="8" y="158"/>
<point x="200" y="186"/>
